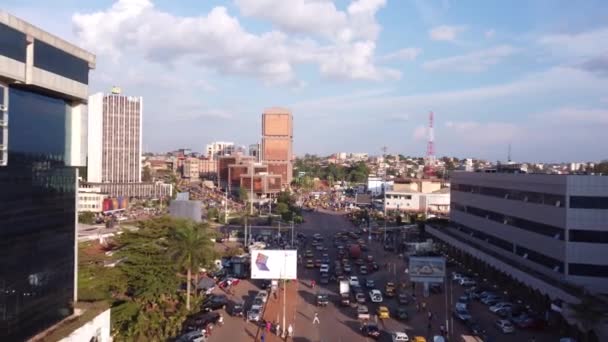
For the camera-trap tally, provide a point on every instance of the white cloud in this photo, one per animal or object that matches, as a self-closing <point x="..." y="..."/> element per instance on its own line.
<point x="406" y="54"/>
<point x="446" y="32"/>
<point x="485" y="132"/>
<point x="576" y="115"/>
<point x="489" y="33"/>
<point x="318" y="17"/>
<point x="217" y="41"/>
<point x="420" y="133"/>
<point x="476" y="61"/>
<point x="583" y="44"/>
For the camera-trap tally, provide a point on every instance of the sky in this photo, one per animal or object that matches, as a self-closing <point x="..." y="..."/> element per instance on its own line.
<point x="357" y="74"/>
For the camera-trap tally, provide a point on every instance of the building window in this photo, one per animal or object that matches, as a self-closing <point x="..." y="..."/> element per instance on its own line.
<point x="54" y="60"/>
<point x="590" y="236"/>
<point x="587" y="270"/>
<point x="12" y="43"/>
<point x="515" y="195"/>
<point x="588" y="202"/>
<point x="531" y="226"/>
<point x="541" y="259"/>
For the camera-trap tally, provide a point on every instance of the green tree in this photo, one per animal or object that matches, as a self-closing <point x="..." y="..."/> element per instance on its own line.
<point x="281" y="208"/>
<point x="243" y="196"/>
<point x="189" y="246"/>
<point x="589" y="313"/>
<point x="86" y="217"/>
<point x="602" y="168"/>
<point x="212" y="213"/>
<point x="146" y="174"/>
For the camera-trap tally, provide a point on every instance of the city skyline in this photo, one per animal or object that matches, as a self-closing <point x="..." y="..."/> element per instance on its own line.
<point x="370" y="69"/>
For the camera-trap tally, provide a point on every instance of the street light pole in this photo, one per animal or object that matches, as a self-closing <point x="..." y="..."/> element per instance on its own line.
<point x="292" y="226"/>
<point x="445" y="290"/>
<point x="284" y="296"/>
<point x="252" y="166"/>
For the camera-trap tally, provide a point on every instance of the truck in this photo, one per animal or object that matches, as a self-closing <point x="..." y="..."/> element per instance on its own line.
<point x="355" y="251"/>
<point x="344" y="292"/>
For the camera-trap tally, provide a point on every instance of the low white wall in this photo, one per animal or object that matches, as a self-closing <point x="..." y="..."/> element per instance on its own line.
<point x="98" y="327"/>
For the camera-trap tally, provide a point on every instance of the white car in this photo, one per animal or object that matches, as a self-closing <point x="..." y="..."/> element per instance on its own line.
<point x="399" y="336"/>
<point x="353" y="281"/>
<point x="499" y="306"/>
<point x="375" y="296"/>
<point x="263" y="295"/>
<point x="324" y="268"/>
<point x="457" y="276"/>
<point x="505" y="326"/>
<point x="360" y="297"/>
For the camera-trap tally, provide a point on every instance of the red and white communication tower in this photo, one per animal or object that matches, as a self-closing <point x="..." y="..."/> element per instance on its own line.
<point x="429" y="160"/>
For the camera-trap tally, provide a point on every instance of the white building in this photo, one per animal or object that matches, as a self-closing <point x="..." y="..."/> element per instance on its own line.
<point x="90" y="199"/>
<point x="376" y="185"/>
<point x="410" y="201"/>
<point x="114" y="138"/>
<point x="219" y="148"/>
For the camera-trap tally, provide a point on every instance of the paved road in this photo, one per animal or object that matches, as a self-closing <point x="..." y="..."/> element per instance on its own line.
<point x="337" y="323"/>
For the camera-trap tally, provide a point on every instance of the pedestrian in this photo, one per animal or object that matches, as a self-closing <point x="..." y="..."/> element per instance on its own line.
<point x="289" y="331"/>
<point x="278" y="330"/>
<point x="417" y="307"/>
<point x="315" y="320"/>
<point x="430" y="314"/>
<point x="442" y="330"/>
<point x="263" y="337"/>
<point x="429" y="326"/>
<point x="423" y="305"/>
<point x="268" y="325"/>
<point x="220" y="320"/>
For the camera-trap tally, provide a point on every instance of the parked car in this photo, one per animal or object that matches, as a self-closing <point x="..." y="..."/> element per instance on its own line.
<point x="383" y="312"/>
<point x="324" y="279"/>
<point x="237" y="310"/>
<point x="353" y="281"/>
<point x="324" y="268"/>
<point x="375" y="266"/>
<point x="474" y="327"/>
<point x="362" y="313"/>
<point x="505" y="326"/>
<point x="467" y="282"/>
<point x="375" y="296"/>
<point x="310" y="263"/>
<point x="399" y="336"/>
<point x="255" y="313"/>
<point x="322" y="299"/>
<point x="263" y="295"/>
<point x="200" y="320"/>
<point x="370" y="283"/>
<point x="192" y="336"/>
<point x="402" y="314"/>
<point x="360" y="297"/>
<point x="403" y="298"/>
<point x="501" y="305"/>
<point x="389" y="289"/>
<point x="462" y="315"/>
<point x="214" y="303"/>
<point x="363" y="269"/>
<point x="491" y="300"/>
<point x="370" y="330"/>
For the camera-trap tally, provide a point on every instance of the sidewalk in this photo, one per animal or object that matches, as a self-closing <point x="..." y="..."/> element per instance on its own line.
<point x="274" y="310"/>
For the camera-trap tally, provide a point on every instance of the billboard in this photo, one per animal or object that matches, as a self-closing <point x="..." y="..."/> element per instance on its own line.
<point x="274" y="264"/>
<point x="427" y="269"/>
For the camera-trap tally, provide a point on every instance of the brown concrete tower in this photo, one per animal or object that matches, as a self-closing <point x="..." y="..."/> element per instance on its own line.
<point x="277" y="141"/>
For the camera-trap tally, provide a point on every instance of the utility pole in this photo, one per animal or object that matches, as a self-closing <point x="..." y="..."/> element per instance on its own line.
<point x="384" y="149"/>
<point x="252" y="166"/>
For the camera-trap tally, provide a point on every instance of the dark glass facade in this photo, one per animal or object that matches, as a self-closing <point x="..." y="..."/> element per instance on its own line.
<point x="590" y="236"/>
<point x="57" y="61"/>
<point x="37" y="218"/>
<point x="587" y="270"/>
<point x="588" y="202"/>
<point x="12" y="43"/>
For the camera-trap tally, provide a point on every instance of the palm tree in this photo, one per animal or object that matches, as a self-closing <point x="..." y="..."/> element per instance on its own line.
<point x="588" y="313"/>
<point x="190" y="248"/>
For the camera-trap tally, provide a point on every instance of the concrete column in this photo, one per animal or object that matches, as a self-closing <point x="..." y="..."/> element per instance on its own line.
<point x="29" y="59"/>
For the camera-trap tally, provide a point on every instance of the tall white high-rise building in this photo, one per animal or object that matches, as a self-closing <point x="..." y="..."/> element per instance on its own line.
<point x="114" y="138"/>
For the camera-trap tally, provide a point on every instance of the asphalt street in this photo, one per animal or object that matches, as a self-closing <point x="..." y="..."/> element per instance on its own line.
<point x="339" y="323"/>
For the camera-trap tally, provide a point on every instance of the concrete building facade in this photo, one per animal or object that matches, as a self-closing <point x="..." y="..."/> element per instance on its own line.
<point x="44" y="90"/>
<point x="192" y="168"/>
<point x="115" y="138"/>
<point x="555" y="224"/>
<point x="416" y="202"/>
<point x="219" y="149"/>
<point x="90" y="199"/>
<point x="277" y="143"/>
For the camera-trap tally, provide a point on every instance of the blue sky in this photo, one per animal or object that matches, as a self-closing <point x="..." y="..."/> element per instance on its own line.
<point x="358" y="74"/>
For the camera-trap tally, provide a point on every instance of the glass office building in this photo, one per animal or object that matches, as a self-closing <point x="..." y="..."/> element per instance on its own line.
<point x="42" y="108"/>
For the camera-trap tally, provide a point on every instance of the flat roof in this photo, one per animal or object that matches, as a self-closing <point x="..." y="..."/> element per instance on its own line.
<point x="39" y="34"/>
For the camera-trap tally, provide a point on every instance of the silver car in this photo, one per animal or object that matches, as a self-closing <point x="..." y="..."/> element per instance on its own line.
<point x="255" y="313"/>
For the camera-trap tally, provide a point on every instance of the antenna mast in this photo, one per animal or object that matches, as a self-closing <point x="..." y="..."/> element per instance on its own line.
<point x="430" y="161"/>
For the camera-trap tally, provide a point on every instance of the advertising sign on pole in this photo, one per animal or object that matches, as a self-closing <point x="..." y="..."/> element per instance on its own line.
<point x="274" y="264"/>
<point x="427" y="269"/>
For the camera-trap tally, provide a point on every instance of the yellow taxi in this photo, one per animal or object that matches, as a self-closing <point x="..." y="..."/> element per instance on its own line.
<point x="383" y="312"/>
<point x="419" y="339"/>
<point x="310" y="263"/>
